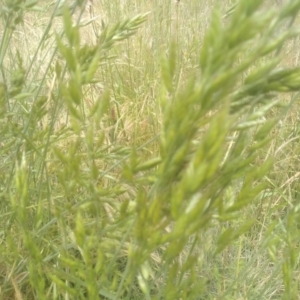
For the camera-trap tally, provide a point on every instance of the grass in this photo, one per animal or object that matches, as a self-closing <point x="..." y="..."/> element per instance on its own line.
<point x="149" y="150"/>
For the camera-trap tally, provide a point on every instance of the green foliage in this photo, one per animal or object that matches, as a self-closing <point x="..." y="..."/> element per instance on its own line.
<point x="89" y="211"/>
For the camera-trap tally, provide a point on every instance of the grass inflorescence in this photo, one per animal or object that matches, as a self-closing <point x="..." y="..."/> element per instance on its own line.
<point x="149" y="149"/>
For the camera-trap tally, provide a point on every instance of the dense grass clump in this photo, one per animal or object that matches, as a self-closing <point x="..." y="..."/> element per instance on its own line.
<point x="149" y="150"/>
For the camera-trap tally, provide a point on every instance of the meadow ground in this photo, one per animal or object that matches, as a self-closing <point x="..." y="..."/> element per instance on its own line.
<point x="149" y="150"/>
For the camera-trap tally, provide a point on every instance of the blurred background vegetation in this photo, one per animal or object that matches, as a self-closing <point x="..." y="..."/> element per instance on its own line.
<point x="149" y="149"/>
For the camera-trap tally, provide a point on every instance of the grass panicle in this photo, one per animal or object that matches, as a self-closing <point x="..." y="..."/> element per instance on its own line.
<point x="149" y="150"/>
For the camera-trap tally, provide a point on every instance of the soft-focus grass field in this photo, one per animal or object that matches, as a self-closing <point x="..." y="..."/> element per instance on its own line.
<point x="149" y="149"/>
